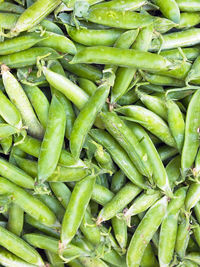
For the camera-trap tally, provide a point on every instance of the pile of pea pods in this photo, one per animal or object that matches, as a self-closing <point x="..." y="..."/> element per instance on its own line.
<point x="100" y="133"/>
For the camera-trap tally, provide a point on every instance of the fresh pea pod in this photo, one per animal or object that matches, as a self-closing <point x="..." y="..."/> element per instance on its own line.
<point x="86" y="118"/>
<point x="34" y="15"/>
<point x="166" y="152"/>
<point x="150" y="121"/>
<point x="15" y="219"/>
<point x="148" y="226"/>
<point x="176" y="123"/>
<point x="118" y="18"/>
<point x="189" y="5"/>
<point x="194" y="257"/>
<point x="11" y="7"/>
<point x="173" y="170"/>
<point x="189" y="19"/>
<point x="193" y="74"/>
<point x="191" y="142"/>
<point x="62" y="192"/>
<point x="118" y="181"/>
<point x="54" y="133"/>
<point x="6" y="144"/>
<point x="54" y="259"/>
<point x="18" y="96"/>
<point x="88" y="86"/>
<point x="7" y="20"/>
<point x="7" y="130"/>
<point x="193" y="196"/>
<point x="120" y="231"/>
<point x="101" y="194"/>
<point x="163" y="25"/>
<point x="119" y="156"/>
<point x="190" y="53"/>
<point x="79" y="200"/>
<point x="118" y="202"/>
<point x="122" y="5"/>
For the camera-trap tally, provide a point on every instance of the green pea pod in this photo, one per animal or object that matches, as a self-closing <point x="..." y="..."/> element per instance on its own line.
<point x="150" y="121"/>
<point x="82" y="70"/>
<point x="193" y="74"/>
<point x="91" y="37"/>
<point x="86" y="118"/>
<point x="118" y="181"/>
<point x="90" y="262"/>
<point x="169" y="9"/>
<point x="166" y="152"/>
<point x="89" y="229"/>
<point x="29" y="203"/>
<point x="101" y="194"/>
<point x="163" y="25"/>
<point x="193" y="196"/>
<point x="148" y="226"/>
<point x="19" y="247"/>
<point x="189" y="5"/>
<point x="7" y="130"/>
<point x="190" y="53"/>
<point x="67" y="87"/>
<point x="34" y="15"/>
<point x="176" y="39"/>
<point x="54" y="133"/>
<point x="10" y="7"/>
<point x="197" y="211"/>
<point x="119" y="5"/>
<point x="6" y="144"/>
<point x="50" y="26"/>
<point x="194" y="257"/>
<point x="119" y="156"/>
<point x="54" y="259"/>
<point x="176" y="123"/>
<point x="32" y="146"/>
<point x="170" y="224"/>
<point x="28" y="57"/>
<point x="149" y="258"/>
<point x="8" y="20"/>
<point x="62" y="192"/>
<point x="88" y="86"/>
<point x="173" y="170"/>
<point x="118" y="18"/>
<point x="196" y="231"/>
<point x="15" y="219"/>
<point x="120" y="231"/>
<point x="126" y="39"/>
<point x="131" y="58"/>
<point x="191" y="142"/>
<point x="19" y="98"/>
<point x="118" y="202"/>
<point x="39" y="102"/>
<point x="79" y="200"/>
<point x="9" y="259"/>
<point x="183" y="236"/>
<point x="188" y="20"/>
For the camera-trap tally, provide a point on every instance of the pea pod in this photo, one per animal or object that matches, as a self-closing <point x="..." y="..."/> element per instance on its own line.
<point x="15" y="219"/>
<point x="148" y="226"/>
<point x="120" y="231"/>
<point x="173" y="170"/>
<point x="8" y="20"/>
<point x="189" y="19"/>
<point x="193" y="74"/>
<point x="194" y="257"/>
<point x="118" y="181"/>
<point x="54" y="259"/>
<point x="166" y="152"/>
<point x="188" y="5"/>
<point x="11" y="7"/>
<point x="190" y="53"/>
<point x="119" y="5"/>
<point x="101" y="194"/>
<point x="193" y="196"/>
<point x="88" y="86"/>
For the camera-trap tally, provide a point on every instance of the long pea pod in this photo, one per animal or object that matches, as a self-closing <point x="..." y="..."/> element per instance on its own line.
<point x="16" y="219"/>
<point x="193" y="196"/>
<point x="188" y="5"/>
<point x="148" y="226"/>
<point x="11" y="7"/>
<point x="188" y="20"/>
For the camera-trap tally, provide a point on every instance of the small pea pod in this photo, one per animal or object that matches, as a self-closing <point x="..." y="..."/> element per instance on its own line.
<point x="34" y="15"/>
<point x="189" y="5"/>
<point x="166" y="152"/>
<point x="176" y="123"/>
<point x="118" y="202"/>
<point x="54" y="259"/>
<point x="118" y="181"/>
<point x="79" y="200"/>
<point x="15" y="219"/>
<point x="197" y="211"/>
<point x="8" y="20"/>
<point x="54" y="133"/>
<point x="193" y="196"/>
<point x="173" y="170"/>
<point x="6" y="144"/>
<point x="88" y="86"/>
<point x="148" y="226"/>
<point x="119" y="5"/>
<point x="62" y="192"/>
<point x="101" y="194"/>
<point x="18" y="96"/>
<point x="11" y="7"/>
<point x="119" y="156"/>
<point x="188" y="20"/>
<point x="120" y="231"/>
<point x="86" y="118"/>
<point x="170" y="223"/>
<point x="191" y="53"/>
<point x="191" y="142"/>
<point x="193" y="74"/>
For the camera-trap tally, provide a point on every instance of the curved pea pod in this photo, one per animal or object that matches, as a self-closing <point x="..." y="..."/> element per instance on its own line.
<point x="50" y="26"/>
<point x="170" y="224"/>
<point x="19" y="98"/>
<point x="190" y="53"/>
<point x="193" y="196"/>
<point x="118" y="202"/>
<point x="20" y="43"/>
<point x="148" y="226"/>
<point x="67" y="87"/>
<point x="54" y="133"/>
<point x="183" y="236"/>
<point x="41" y="107"/>
<point x="173" y="170"/>
<point x="91" y="37"/>
<point x="149" y="258"/>
<point x="142" y="203"/>
<point x="193" y="74"/>
<point x="57" y="67"/>
<point x="9" y="259"/>
<point x="82" y="70"/>
<point x="153" y="103"/>
<point x="194" y="257"/>
<point x="119" y="156"/>
<point x="32" y="147"/>
<point x="88" y="86"/>
<point x="126" y="138"/>
<point x="131" y="58"/>
<point x="11" y="7"/>
<point x="29" y="203"/>
<point x="189" y="5"/>
<point x="101" y="194"/>
<point x="8" y="20"/>
<point x="122" y="5"/>
<point x="118" y="181"/>
<point x="176" y="123"/>
<point x="163" y="25"/>
<point x="79" y="200"/>
<point x="124" y="76"/>
<point x="196" y="231"/>
<point x="86" y="118"/>
<point x="176" y="39"/>
<point x="169" y="9"/>
<point x="34" y="15"/>
<point x="188" y="20"/>
<point x="28" y="57"/>
<point x="191" y="142"/>
<point x="150" y="121"/>
<point x="19" y="247"/>
<point x="58" y="42"/>
<point x="89" y="229"/>
<point x="118" y="18"/>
